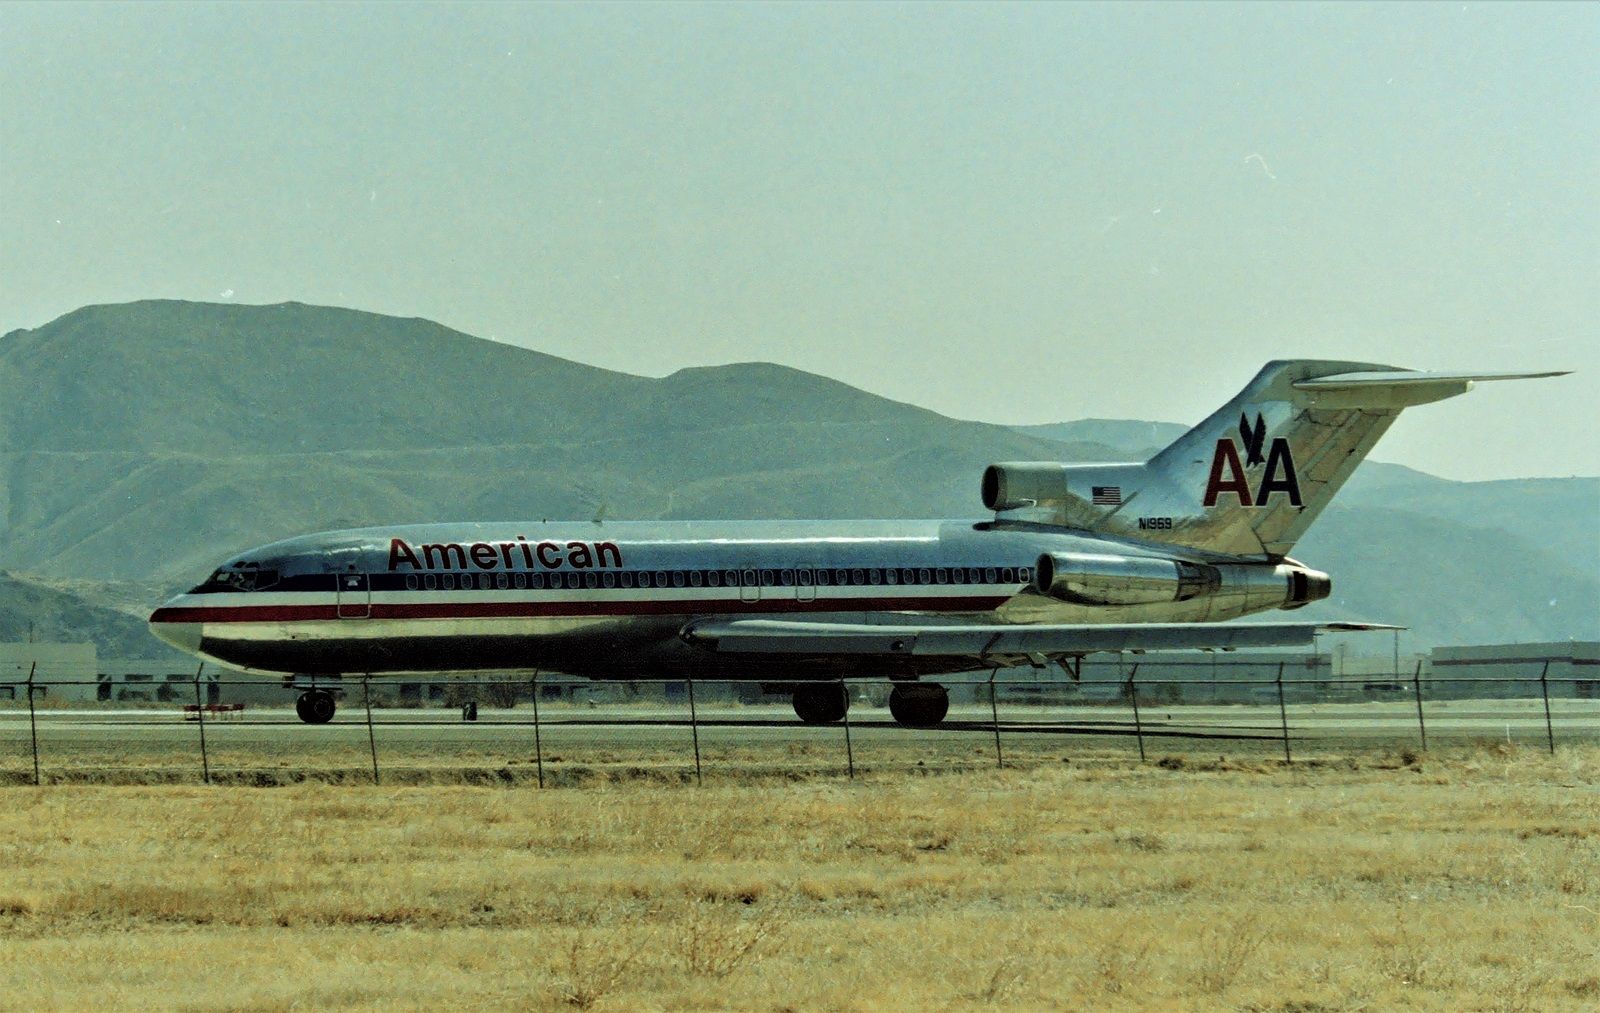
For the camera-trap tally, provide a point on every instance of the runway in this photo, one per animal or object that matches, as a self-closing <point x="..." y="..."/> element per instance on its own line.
<point x="764" y="737"/>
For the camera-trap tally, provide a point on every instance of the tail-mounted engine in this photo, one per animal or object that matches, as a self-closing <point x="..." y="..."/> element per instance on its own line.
<point x="1094" y="579"/>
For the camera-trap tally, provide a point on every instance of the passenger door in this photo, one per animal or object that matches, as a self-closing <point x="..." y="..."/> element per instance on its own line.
<point x="352" y="588"/>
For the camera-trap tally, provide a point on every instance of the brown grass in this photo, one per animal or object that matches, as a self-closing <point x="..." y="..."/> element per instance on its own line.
<point x="1469" y="881"/>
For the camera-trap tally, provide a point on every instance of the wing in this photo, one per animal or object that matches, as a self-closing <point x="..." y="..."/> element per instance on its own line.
<point x="994" y="643"/>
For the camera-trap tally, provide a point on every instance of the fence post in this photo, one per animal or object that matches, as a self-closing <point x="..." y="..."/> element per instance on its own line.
<point x="1133" y="692"/>
<point x="538" y="747"/>
<point x="694" y="727"/>
<point x="849" y="752"/>
<point x="1283" y="716"/>
<point x="33" y="727"/>
<point x="994" y="715"/>
<point x="200" y="716"/>
<point x="372" y="738"/>
<point x="1416" y="682"/>
<point x="1544" y="686"/>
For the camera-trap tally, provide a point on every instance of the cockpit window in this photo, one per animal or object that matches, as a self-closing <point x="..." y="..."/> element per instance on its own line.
<point x="245" y="577"/>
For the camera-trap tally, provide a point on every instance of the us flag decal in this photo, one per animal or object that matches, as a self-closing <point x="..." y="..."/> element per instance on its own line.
<point x="1106" y="495"/>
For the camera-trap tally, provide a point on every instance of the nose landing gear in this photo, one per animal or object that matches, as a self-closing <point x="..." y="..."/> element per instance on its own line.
<point x="315" y="707"/>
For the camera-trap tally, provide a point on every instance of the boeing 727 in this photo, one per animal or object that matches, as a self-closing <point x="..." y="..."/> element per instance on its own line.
<point x="1075" y="559"/>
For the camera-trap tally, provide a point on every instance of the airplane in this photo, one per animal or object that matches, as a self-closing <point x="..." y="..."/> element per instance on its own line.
<point x="1075" y="559"/>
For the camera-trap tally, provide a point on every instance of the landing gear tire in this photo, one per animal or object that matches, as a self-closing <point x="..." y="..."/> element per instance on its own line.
<point x="315" y="707"/>
<point x="822" y="704"/>
<point x="919" y="705"/>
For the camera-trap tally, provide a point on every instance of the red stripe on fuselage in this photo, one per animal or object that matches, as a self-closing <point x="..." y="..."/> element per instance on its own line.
<point x="565" y="609"/>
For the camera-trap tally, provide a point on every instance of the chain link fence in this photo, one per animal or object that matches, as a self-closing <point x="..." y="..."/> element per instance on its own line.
<point x="528" y="727"/>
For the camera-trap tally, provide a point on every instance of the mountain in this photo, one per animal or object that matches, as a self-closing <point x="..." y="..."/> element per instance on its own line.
<point x="144" y="442"/>
<point x="1116" y="439"/>
<point x="35" y="609"/>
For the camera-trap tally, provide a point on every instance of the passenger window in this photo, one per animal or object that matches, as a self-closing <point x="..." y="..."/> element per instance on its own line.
<point x="627" y="580"/>
<point x="1008" y="575"/>
<point x="537" y="580"/>
<point x="858" y="577"/>
<point x="786" y="578"/>
<point x="804" y="577"/>
<point x="429" y="581"/>
<point x="609" y="579"/>
<point x="768" y="578"/>
<point x="989" y="576"/>
<point x="942" y="575"/>
<point x="501" y="581"/>
<point x="923" y="577"/>
<point x="875" y="575"/>
<point x="520" y="580"/>
<point x="448" y="581"/>
<point x="661" y="578"/>
<point x="696" y="578"/>
<point x="730" y="578"/>
<point x="677" y="578"/>
<point x="644" y="580"/>
<point x="714" y="578"/>
<point x="411" y="582"/>
<point x="1025" y="574"/>
<point x="749" y="578"/>
<point x="891" y="576"/>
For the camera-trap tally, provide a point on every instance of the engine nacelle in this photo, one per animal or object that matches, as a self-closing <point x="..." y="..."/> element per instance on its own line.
<point x="1094" y="579"/>
<point x="1023" y="484"/>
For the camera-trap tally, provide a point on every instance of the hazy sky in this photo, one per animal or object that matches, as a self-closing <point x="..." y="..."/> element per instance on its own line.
<point x="1015" y="214"/>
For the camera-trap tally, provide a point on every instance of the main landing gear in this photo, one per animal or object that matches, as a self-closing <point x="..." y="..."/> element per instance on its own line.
<point x="914" y="705"/>
<point x="315" y="706"/>
<point x="919" y="704"/>
<point x="821" y="703"/>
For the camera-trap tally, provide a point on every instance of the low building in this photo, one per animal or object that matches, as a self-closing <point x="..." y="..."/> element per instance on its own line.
<point x="60" y="671"/>
<point x="1568" y="668"/>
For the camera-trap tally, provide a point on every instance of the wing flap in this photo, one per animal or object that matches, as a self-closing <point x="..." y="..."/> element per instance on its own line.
<point x="768" y="636"/>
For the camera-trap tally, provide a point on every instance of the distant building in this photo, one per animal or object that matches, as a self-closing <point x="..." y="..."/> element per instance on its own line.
<point x="1570" y="667"/>
<point x="1222" y="677"/>
<point x="60" y="671"/>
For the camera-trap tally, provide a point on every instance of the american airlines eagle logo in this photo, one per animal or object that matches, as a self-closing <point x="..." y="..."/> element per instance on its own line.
<point x="1229" y="474"/>
<point x="1253" y="439"/>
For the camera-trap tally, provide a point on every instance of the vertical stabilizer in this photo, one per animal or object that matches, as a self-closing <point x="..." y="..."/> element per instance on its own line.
<point x="1251" y="478"/>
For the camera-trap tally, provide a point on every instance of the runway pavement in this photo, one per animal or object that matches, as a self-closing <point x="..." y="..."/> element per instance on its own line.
<point x="765" y="738"/>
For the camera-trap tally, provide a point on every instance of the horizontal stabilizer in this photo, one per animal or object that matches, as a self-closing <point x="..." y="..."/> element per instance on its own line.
<point x="1342" y="381"/>
<point x="1398" y="388"/>
<point x="980" y="642"/>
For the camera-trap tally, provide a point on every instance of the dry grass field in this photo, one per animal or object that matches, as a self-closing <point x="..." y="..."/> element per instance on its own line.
<point x="1468" y="879"/>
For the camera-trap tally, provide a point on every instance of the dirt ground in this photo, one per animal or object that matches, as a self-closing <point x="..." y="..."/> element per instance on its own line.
<point x="1466" y="878"/>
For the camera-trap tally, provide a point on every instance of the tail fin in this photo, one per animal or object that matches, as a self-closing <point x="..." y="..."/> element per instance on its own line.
<point x="1251" y="478"/>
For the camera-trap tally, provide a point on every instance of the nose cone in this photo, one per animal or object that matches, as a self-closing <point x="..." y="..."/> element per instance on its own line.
<point x="171" y="624"/>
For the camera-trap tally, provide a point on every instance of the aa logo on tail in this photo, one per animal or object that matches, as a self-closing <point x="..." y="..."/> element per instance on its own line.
<point x="1228" y="473"/>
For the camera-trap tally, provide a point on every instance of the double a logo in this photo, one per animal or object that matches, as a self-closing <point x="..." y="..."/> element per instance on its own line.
<point x="1228" y="473"/>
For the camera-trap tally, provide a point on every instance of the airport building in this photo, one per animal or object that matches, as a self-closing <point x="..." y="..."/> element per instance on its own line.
<point x="59" y="671"/>
<point x="1571" y="668"/>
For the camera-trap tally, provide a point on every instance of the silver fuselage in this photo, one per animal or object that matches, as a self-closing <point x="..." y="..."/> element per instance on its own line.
<point x="610" y="600"/>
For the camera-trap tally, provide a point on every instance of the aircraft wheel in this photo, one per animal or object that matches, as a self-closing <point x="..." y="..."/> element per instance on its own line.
<point x="315" y="707"/>
<point x="920" y="705"/>
<point x="821" y="704"/>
